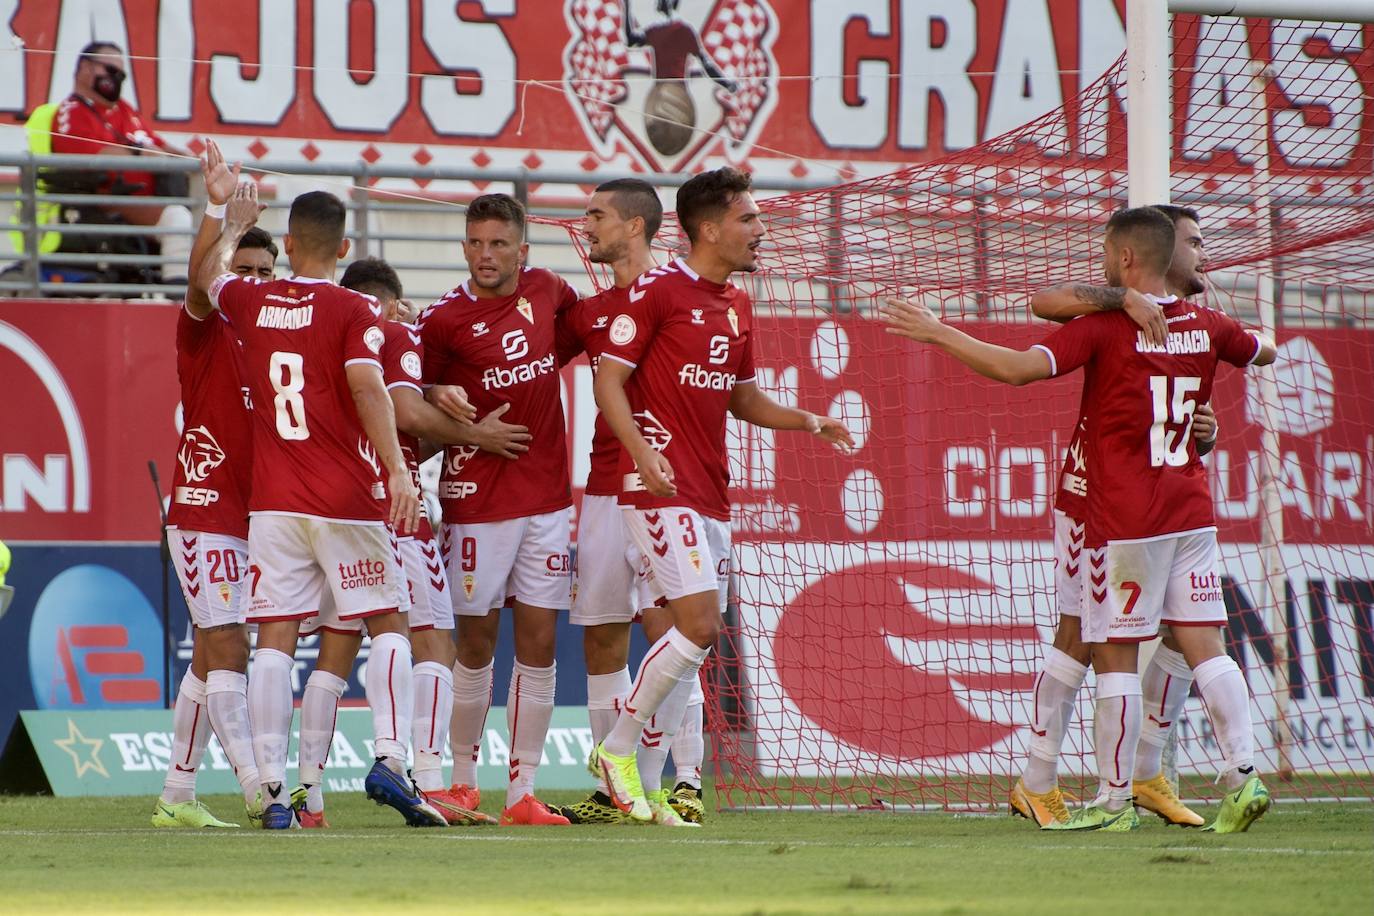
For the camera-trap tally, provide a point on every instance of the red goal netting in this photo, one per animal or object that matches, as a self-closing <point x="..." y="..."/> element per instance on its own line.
<point x="892" y="605"/>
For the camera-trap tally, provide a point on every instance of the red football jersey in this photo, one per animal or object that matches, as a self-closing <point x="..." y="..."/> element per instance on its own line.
<point x="690" y="343"/>
<point x="299" y="334"/>
<point x="587" y="327"/>
<point x="502" y="351"/>
<point x="1072" y="497"/>
<point x="1147" y="479"/>
<point x="402" y="367"/>
<point x="86" y="128"/>
<point x="215" y="455"/>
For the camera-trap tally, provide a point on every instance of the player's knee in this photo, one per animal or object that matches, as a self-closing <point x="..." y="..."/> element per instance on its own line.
<point x="606" y="648"/>
<point x="226" y="647"/>
<point x="1068" y="638"/>
<point x="702" y="629"/>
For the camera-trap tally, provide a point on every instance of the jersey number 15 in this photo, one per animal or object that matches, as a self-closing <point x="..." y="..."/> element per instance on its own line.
<point x="1169" y="447"/>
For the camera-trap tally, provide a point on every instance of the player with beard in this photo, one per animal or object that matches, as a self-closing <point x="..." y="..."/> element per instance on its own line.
<point x="679" y="357"/>
<point x="1151" y="533"/>
<point x="1166" y="680"/>
<point x="506" y="523"/>
<point x="622" y="218"/>
<point x="323" y="433"/>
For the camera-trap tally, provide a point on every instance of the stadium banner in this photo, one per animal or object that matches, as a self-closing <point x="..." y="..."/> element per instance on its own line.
<point x="109" y="752"/>
<point x="857" y="662"/>
<point x="574" y="85"/>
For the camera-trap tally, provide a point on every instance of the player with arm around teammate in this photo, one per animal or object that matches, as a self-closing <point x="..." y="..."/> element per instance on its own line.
<point x="1167" y="678"/>
<point x="328" y="476"/>
<point x="680" y="356"/>
<point x="1150" y="529"/>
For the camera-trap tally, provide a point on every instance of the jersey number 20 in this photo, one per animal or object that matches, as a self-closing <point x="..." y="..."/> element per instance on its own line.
<point x="1169" y="447"/>
<point x="287" y="372"/>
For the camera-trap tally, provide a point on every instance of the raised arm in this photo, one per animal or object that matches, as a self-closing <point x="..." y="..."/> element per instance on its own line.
<point x="609" y="388"/>
<point x="1002" y="364"/>
<point x="751" y="404"/>
<point x="1069" y="300"/>
<point x="240" y="216"/>
<point x="378" y="420"/>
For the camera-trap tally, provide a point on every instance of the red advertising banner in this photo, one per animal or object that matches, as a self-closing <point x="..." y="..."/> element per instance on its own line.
<point x="780" y="84"/>
<point x="944" y="454"/>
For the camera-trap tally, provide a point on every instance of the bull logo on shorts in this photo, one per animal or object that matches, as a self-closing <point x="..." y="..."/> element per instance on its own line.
<point x="199" y="454"/>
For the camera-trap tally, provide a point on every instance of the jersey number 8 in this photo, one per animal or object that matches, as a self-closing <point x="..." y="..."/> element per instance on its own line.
<point x="287" y="372"/>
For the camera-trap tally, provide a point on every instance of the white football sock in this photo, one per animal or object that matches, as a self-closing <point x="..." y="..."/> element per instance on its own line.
<point x="605" y="694"/>
<point x="429" y="730"/>
<point x="529" y="709"/>
<point x="319" y="713"/>
<point x="1228" y="704"/>
<point x="226" y="702"/>
<point x="269" y="709"/>
<point x="1054" y="697"/>
<point x="390" y="690"/>
<point x="1164" y="689"/>
<point x="1116" y="732"/>
<point x="190" y="735"/>
<point x="689" y="745"/>
<point x="669" y="661"/>
<point x="658" y="734"/>
<point x="471" y="701"/>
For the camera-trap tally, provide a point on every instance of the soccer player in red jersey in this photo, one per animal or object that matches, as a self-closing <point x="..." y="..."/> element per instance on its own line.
<point x="1166" y="680"/>
<point x="610" y="587"/>
<point x="1151" y="536"/>
<point x="506" y="523"/>
<point x="207" y="531"/>
<point x="679" y="357"/>
<point x="324" y="435"/>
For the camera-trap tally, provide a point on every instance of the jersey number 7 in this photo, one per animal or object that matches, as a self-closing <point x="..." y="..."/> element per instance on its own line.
<point x="1169" y="447"/>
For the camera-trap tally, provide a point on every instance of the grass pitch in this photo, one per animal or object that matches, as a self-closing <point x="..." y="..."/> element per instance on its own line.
<point x="100" y="855"/>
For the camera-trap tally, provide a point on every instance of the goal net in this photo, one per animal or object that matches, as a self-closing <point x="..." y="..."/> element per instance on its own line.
<point x="891" y="607"/>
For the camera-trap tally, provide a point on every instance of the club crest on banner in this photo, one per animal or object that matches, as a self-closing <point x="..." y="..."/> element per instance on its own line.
<point x="671" y="81"/>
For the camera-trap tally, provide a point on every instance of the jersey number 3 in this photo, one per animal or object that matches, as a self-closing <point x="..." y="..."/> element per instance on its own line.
<point x="1169" y="447"/>
<point x="287" y="372"/>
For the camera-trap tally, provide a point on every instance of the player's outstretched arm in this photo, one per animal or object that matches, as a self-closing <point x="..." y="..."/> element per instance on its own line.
<point x="240" y="215"/>
<point x="378" y="420"/>
<point x="419" y="418"/>
<point x="1069" y="300"/>
<point x="609" y="388"/>
<point x="1002" y="364"/>
<point x="220" y="182"/>
<point x="492" y="434"/>
<point x="751" y="404"/>
<point x="1268" y="351"/>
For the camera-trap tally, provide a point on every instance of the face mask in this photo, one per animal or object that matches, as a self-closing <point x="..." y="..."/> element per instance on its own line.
<point x="109" y="85"/>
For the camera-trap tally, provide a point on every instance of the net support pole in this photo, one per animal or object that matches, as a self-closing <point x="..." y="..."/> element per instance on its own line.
<point x="1275" y="591"/>
<point x="1149" y="123"/>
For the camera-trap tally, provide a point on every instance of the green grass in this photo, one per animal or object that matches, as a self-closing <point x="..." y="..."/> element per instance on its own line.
<point x="99" y="855"/>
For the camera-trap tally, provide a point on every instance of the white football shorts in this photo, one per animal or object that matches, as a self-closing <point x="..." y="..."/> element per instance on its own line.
<point x="431" y="605"/>
<point x="1134" y="586"/>
<point x="610" y="575"/>
<point x="1068" y="565"/>
<point x="337" y="572"/>
<point x="521" y="559"/>
<point x="688" y="553"/>
<point x="213" y="572"/>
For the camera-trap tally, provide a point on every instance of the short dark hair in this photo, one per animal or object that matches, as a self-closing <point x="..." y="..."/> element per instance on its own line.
<point x="258" y="237"/>
<point x="500" y="207"/>
<point x="1148" y="230"/>
<point x="94" y="48"/>
<point x="1176" y="213"/>
<point x="317" y="221"/>
<point x="707" y="196"/>
<point x="636" y="197"/>
<point x="372" y="276"/>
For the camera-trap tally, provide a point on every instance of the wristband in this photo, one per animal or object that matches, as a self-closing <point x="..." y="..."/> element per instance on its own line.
<point x="216" y="211"/>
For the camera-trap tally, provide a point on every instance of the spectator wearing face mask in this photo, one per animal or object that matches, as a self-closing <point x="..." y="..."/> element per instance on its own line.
<point x="94" y="120"/>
